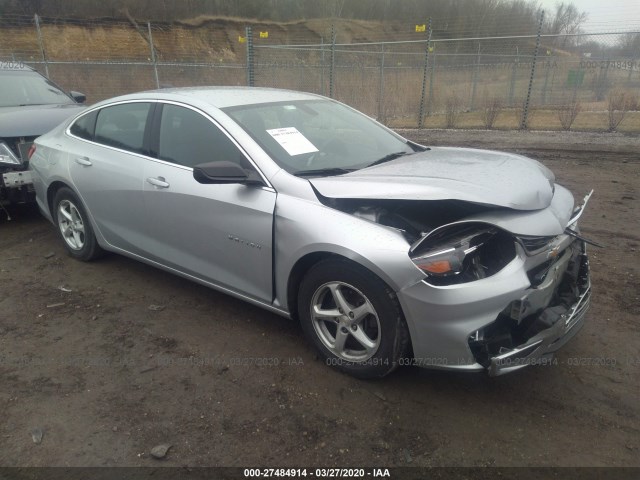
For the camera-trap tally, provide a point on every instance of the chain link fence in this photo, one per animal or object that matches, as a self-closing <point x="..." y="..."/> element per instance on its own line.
<point x="108" y="58"/>
<point x="410" y="78"/>
<point x="532" y="80"/>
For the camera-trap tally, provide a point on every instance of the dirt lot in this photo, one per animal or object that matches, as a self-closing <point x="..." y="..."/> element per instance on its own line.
<point x="106" y="378"/>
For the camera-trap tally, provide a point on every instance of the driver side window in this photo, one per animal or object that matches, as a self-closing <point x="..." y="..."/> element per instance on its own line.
<point x="188" y="138"/>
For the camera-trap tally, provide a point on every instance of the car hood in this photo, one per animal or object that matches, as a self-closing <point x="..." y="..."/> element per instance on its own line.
<point x="444" y="173"/>
<point x="34" y="120"/>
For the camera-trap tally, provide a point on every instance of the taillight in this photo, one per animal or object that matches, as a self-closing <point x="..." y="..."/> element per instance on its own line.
<point x="32" y="150"/>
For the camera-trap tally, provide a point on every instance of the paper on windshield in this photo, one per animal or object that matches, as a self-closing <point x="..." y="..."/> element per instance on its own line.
<point x="294" y="142"/>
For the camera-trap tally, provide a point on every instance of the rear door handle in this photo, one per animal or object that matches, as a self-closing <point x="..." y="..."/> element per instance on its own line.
<point x="83" y="161"/>
<point x="158" y="182"/>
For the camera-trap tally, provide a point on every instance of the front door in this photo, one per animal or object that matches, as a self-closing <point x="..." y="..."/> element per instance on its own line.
<point x="221" y="233"/>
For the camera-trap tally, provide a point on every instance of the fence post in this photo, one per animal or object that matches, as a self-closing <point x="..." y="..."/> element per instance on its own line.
<point x="322" y="67"/>
<point x="525" y="110"/>
<point x="633" y="62"/>
<point x="475" y="80"/>
<point x="41" y="44"/>
<point x="547" y="66"/>
<point x="574" y="94"/>
<point x="153" y="56"/>
<point x="514" y="72"/>
<point x="250" y="66"/>
<point x="424" y="77"/>
<point x="332" y="66"/>
<point x="431" y="77"/>
<point x="605" y="82"/>
<point x="381" y="94"/>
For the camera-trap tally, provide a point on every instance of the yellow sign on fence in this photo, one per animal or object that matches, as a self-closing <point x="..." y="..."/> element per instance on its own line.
<point x="241" y="39"/>
<point x="421" y="28"/>
<point x="264" y="34"/>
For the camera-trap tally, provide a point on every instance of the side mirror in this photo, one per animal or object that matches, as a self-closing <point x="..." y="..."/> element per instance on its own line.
<point x="224" y="172"/>
<point x="78" y="97"/>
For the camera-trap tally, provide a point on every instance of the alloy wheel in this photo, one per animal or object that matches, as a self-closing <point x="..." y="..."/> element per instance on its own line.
<point x="345" y="321"/>
<point x="71" y="225"/>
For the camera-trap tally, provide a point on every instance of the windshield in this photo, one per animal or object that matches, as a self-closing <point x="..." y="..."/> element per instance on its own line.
<point x="318" y="137"/>
<point x="19" y="88"/>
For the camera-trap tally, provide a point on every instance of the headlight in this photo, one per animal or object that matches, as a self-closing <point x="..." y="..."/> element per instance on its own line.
<point x="7" y="157"/>
<point x="463" y="253"/>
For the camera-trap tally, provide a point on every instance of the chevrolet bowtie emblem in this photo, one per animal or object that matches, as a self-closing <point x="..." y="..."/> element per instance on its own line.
<point x="554" y="252"/>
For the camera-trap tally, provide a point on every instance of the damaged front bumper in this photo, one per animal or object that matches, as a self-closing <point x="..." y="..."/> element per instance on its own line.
<point x="16" y="182"/>
<point x="542" y="346"/>
<point x="513" y="319"/>
<point x="516" y="317"/>
<point x="543" y="331"/>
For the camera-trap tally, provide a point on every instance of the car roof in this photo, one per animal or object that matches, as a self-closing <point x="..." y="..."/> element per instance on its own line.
<point x="221" y="97"/>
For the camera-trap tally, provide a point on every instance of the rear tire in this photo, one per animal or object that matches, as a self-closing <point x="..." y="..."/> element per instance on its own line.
<point x="74" y="227"/>
<point x="353" y="319"/>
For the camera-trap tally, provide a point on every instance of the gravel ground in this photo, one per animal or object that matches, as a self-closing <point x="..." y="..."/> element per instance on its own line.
<point x="109" y="359"/>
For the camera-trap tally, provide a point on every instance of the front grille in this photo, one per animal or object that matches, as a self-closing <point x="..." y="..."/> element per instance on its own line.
<point x="534" y="245"/>
<point x="537" y="274"/>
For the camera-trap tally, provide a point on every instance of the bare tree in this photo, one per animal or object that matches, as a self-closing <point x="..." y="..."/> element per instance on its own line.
<point x="567" y="20"/>
<point x="453" y="109"/>
<point x="567" y="114"/>
<point x="618" y="105"/>
<point x="491" y="110"/>
<point x="630" y="45"/>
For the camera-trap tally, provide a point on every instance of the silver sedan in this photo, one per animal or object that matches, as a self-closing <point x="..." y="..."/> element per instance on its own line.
<point x="387" y="252"/>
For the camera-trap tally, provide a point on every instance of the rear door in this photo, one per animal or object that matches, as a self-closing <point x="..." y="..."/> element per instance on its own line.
<point x="107" y="171"/>
<point x="221" y="233"/>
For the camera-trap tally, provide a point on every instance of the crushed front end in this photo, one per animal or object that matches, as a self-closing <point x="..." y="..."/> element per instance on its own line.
<point x="534" y="326"/>
<point x="496" y="300"/>
<point x="16" y="185"/>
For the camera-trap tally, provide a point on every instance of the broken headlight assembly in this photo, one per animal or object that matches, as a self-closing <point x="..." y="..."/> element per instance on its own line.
<point x="7" y="157"/>
<point x="462" y="253"/>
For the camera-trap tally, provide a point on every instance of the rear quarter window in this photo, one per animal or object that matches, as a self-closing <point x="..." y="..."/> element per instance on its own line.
<point x="84" y="126"/>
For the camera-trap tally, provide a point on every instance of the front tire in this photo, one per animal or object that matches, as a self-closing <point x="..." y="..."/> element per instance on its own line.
<point x="74" y="227"/>
<point x="353" y="318"/>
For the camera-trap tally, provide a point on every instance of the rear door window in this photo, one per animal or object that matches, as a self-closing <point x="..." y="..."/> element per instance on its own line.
<point x="122" y="126"/>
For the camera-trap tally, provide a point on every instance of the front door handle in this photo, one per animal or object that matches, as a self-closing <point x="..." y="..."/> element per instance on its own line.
<point x="158" y="182"/>
<point x="84" y="161"/>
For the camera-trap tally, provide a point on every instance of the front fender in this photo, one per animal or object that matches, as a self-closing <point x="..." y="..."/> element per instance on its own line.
<point x="303" y="227"/>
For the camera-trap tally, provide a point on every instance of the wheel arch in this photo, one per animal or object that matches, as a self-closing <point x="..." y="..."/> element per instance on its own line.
<point x="367" y="284"/>
<point x="306" y="262"/>
<point x="52" y="190"/>
<point x="297" y="273"/>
